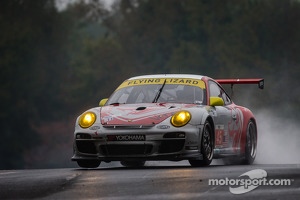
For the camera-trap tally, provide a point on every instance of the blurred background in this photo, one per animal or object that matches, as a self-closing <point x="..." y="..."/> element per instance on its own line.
<point x="60" y="57"/>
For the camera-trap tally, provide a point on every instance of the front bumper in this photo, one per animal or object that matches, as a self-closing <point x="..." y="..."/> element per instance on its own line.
<point x="158" y="144"/>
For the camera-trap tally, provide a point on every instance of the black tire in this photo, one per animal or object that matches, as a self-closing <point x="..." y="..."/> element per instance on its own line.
<point x="88" y="163"/>
<point x="207" y="147"/>
<point x="251" y="144"/>
<point x="133" y="163"/>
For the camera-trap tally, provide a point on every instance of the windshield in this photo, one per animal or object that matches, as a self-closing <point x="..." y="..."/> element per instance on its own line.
<point x="173" y="93"/>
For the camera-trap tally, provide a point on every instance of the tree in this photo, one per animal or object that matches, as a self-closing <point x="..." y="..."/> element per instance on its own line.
<point x="31" y="53"/>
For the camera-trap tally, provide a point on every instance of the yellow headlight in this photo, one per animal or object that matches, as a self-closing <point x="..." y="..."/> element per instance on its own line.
<point x="87" y="119"/>
<point x="181" y="118"/>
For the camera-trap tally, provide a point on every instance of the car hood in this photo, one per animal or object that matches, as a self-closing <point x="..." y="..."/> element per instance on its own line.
<point x="139" y="114"/>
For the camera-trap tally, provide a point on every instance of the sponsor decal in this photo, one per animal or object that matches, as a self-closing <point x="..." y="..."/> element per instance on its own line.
<point x="126" y="137"/>
<point x="146" y="81"/>
<point x="249" y="181"/>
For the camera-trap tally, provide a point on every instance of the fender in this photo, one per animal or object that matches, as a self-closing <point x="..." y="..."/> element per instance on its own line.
<point x="248" y="115"/>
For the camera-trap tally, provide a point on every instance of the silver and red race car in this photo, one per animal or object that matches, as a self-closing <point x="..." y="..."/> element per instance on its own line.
<point x="167" y="117"/>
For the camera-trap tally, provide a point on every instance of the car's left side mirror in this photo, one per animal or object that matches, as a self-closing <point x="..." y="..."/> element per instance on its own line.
<point x="103" y="102"/>
<point x="216" y="101"/>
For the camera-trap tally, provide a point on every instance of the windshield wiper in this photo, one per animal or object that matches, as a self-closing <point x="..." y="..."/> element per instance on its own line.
<point x="159" y="92"/>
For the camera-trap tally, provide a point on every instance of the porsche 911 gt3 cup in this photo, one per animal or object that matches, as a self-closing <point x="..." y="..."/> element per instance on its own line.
<point x="167" y="117"/>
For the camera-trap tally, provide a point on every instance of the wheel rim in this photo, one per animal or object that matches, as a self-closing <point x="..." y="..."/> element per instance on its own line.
<point x="207" y="143"/>
<point x="251" y="140"/>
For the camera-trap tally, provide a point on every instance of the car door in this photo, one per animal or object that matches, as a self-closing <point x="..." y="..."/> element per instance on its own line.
<point x="226" y="131"/>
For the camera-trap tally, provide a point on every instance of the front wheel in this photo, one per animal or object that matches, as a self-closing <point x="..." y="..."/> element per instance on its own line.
<point x="88" y="163"/>
<point x="207" y="147"/>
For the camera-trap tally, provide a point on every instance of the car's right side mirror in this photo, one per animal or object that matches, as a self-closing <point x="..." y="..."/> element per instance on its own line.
<point x="216" y="101"/>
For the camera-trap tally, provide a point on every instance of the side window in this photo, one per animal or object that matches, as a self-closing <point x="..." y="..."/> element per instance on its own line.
<point x="226" y="98"/>
<point x="216" y="91"/>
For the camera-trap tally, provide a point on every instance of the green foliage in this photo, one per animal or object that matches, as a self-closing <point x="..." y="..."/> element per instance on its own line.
<point x="31" y="62"/>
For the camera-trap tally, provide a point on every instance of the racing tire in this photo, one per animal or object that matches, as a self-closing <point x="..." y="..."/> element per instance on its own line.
<point x="207" y="147"/>
<point x="133" y="163"/>
<point x="251" y="144"/>
<point x="88" y="163"/>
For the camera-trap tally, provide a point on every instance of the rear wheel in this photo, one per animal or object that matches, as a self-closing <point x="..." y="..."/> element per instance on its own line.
<point x="250" y="148"/>
<point x="133" y="163"/>
<point x="207" y="147"/>
<point x="88" y="163"/>
<point x="251" y="144"/>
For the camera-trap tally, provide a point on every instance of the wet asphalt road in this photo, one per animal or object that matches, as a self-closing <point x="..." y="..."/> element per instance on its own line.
<point x="158" y="180"/>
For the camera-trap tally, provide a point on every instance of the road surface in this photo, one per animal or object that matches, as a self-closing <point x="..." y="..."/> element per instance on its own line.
<point x="157" y="180"/>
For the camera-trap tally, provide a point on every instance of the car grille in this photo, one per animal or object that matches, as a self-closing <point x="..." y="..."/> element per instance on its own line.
<point x="121" y="150"/>
<point x="170" y="146"/>
<point x="166" y="146"/>
<point x="85" y="146"/>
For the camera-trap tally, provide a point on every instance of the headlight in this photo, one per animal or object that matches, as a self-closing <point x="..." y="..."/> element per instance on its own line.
<point x="181" y="118"/>
<point x="87" y="119"/>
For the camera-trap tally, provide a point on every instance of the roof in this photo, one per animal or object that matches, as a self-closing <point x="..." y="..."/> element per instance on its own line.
<point x="192" y="76"/>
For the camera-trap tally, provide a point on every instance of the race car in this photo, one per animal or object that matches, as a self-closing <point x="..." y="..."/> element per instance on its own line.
<point x="170" y="117"/>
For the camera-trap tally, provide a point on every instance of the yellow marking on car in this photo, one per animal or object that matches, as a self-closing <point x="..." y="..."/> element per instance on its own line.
<point x="149" y="81"/>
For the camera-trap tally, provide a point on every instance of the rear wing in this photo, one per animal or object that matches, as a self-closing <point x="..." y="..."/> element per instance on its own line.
<point x="258" y="81"/>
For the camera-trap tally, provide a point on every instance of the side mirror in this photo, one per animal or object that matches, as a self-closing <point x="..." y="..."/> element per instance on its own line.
<point x="103" y="102"/>
<point x="216" y="101"/>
